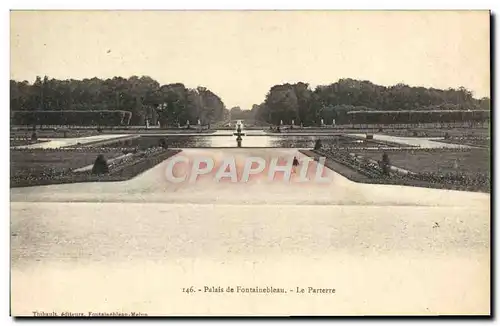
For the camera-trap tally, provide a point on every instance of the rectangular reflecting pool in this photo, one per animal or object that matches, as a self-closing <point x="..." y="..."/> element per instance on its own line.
<point x="226" y="141"/>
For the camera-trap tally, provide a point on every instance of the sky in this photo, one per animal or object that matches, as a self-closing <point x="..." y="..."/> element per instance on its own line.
<point x="239" y="55"/>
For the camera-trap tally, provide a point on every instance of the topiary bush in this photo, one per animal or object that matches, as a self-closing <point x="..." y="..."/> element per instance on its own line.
<point x="100" y="165"/>
<point x="163" y="143"/>
<point x="385" y="164"/>
<point x="317" y="144"/>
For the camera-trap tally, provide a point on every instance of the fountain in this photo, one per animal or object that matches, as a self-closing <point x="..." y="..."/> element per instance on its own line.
<point x="238" y="134"/>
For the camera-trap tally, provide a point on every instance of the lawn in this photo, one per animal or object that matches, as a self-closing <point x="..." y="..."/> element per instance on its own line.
<point x="36" y="162"/>
<point x="469" y="141"/>
<point x="469" y="162"/>
<point x="54" y="167"/>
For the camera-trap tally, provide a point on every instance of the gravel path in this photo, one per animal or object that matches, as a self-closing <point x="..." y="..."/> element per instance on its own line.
<point x="422" y="142"/>
<point x="64" y="142"/>
<point x="133" y="246"/>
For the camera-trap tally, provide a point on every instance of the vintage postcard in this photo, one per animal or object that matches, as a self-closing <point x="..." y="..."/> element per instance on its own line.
<point x="250" y="163"/>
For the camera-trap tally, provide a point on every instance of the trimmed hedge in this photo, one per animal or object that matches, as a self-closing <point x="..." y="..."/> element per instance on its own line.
<point x="417" y="116"/>
<point x="72" y="117"/>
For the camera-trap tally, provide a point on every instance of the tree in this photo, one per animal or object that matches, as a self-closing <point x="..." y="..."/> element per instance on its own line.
<point x="141" y="96"/>
<point x="333" y="101"/>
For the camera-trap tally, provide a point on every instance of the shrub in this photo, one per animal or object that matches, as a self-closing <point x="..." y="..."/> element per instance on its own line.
<point x="163" y="143"/>
<point x="385" y="164"/>
<point x="100" y="165"/>
<point x="317" y="144"/>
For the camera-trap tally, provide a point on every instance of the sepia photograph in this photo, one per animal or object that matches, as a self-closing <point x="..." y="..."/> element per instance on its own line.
<point x="245" y="163"/>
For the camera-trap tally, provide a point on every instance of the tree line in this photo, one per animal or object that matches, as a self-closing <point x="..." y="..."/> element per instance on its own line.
<point x="298" y="102"/>
<point x="60" y="101"/>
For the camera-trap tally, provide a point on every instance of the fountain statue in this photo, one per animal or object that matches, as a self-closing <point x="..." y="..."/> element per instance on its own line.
<point x="281" y="122"/>
<point x="238" y="134"/>
<point x="322" y="123"/>
<point x="293" y="122"/>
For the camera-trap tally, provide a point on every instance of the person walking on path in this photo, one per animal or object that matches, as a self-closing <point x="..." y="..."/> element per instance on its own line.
<point x="295" y="163"/>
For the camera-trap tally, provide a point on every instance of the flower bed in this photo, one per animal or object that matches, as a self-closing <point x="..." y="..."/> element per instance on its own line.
<point x="32" y="174"/>
<point x="372" y="173"/>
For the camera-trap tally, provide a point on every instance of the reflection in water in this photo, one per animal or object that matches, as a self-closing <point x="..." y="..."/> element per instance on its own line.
<point x="229" y="141"/>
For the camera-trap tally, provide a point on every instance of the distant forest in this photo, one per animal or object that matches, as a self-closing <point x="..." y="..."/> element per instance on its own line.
<point x="52" y="101"/>
<point x="300" y="103"/>
<point x="132" y="101"/>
